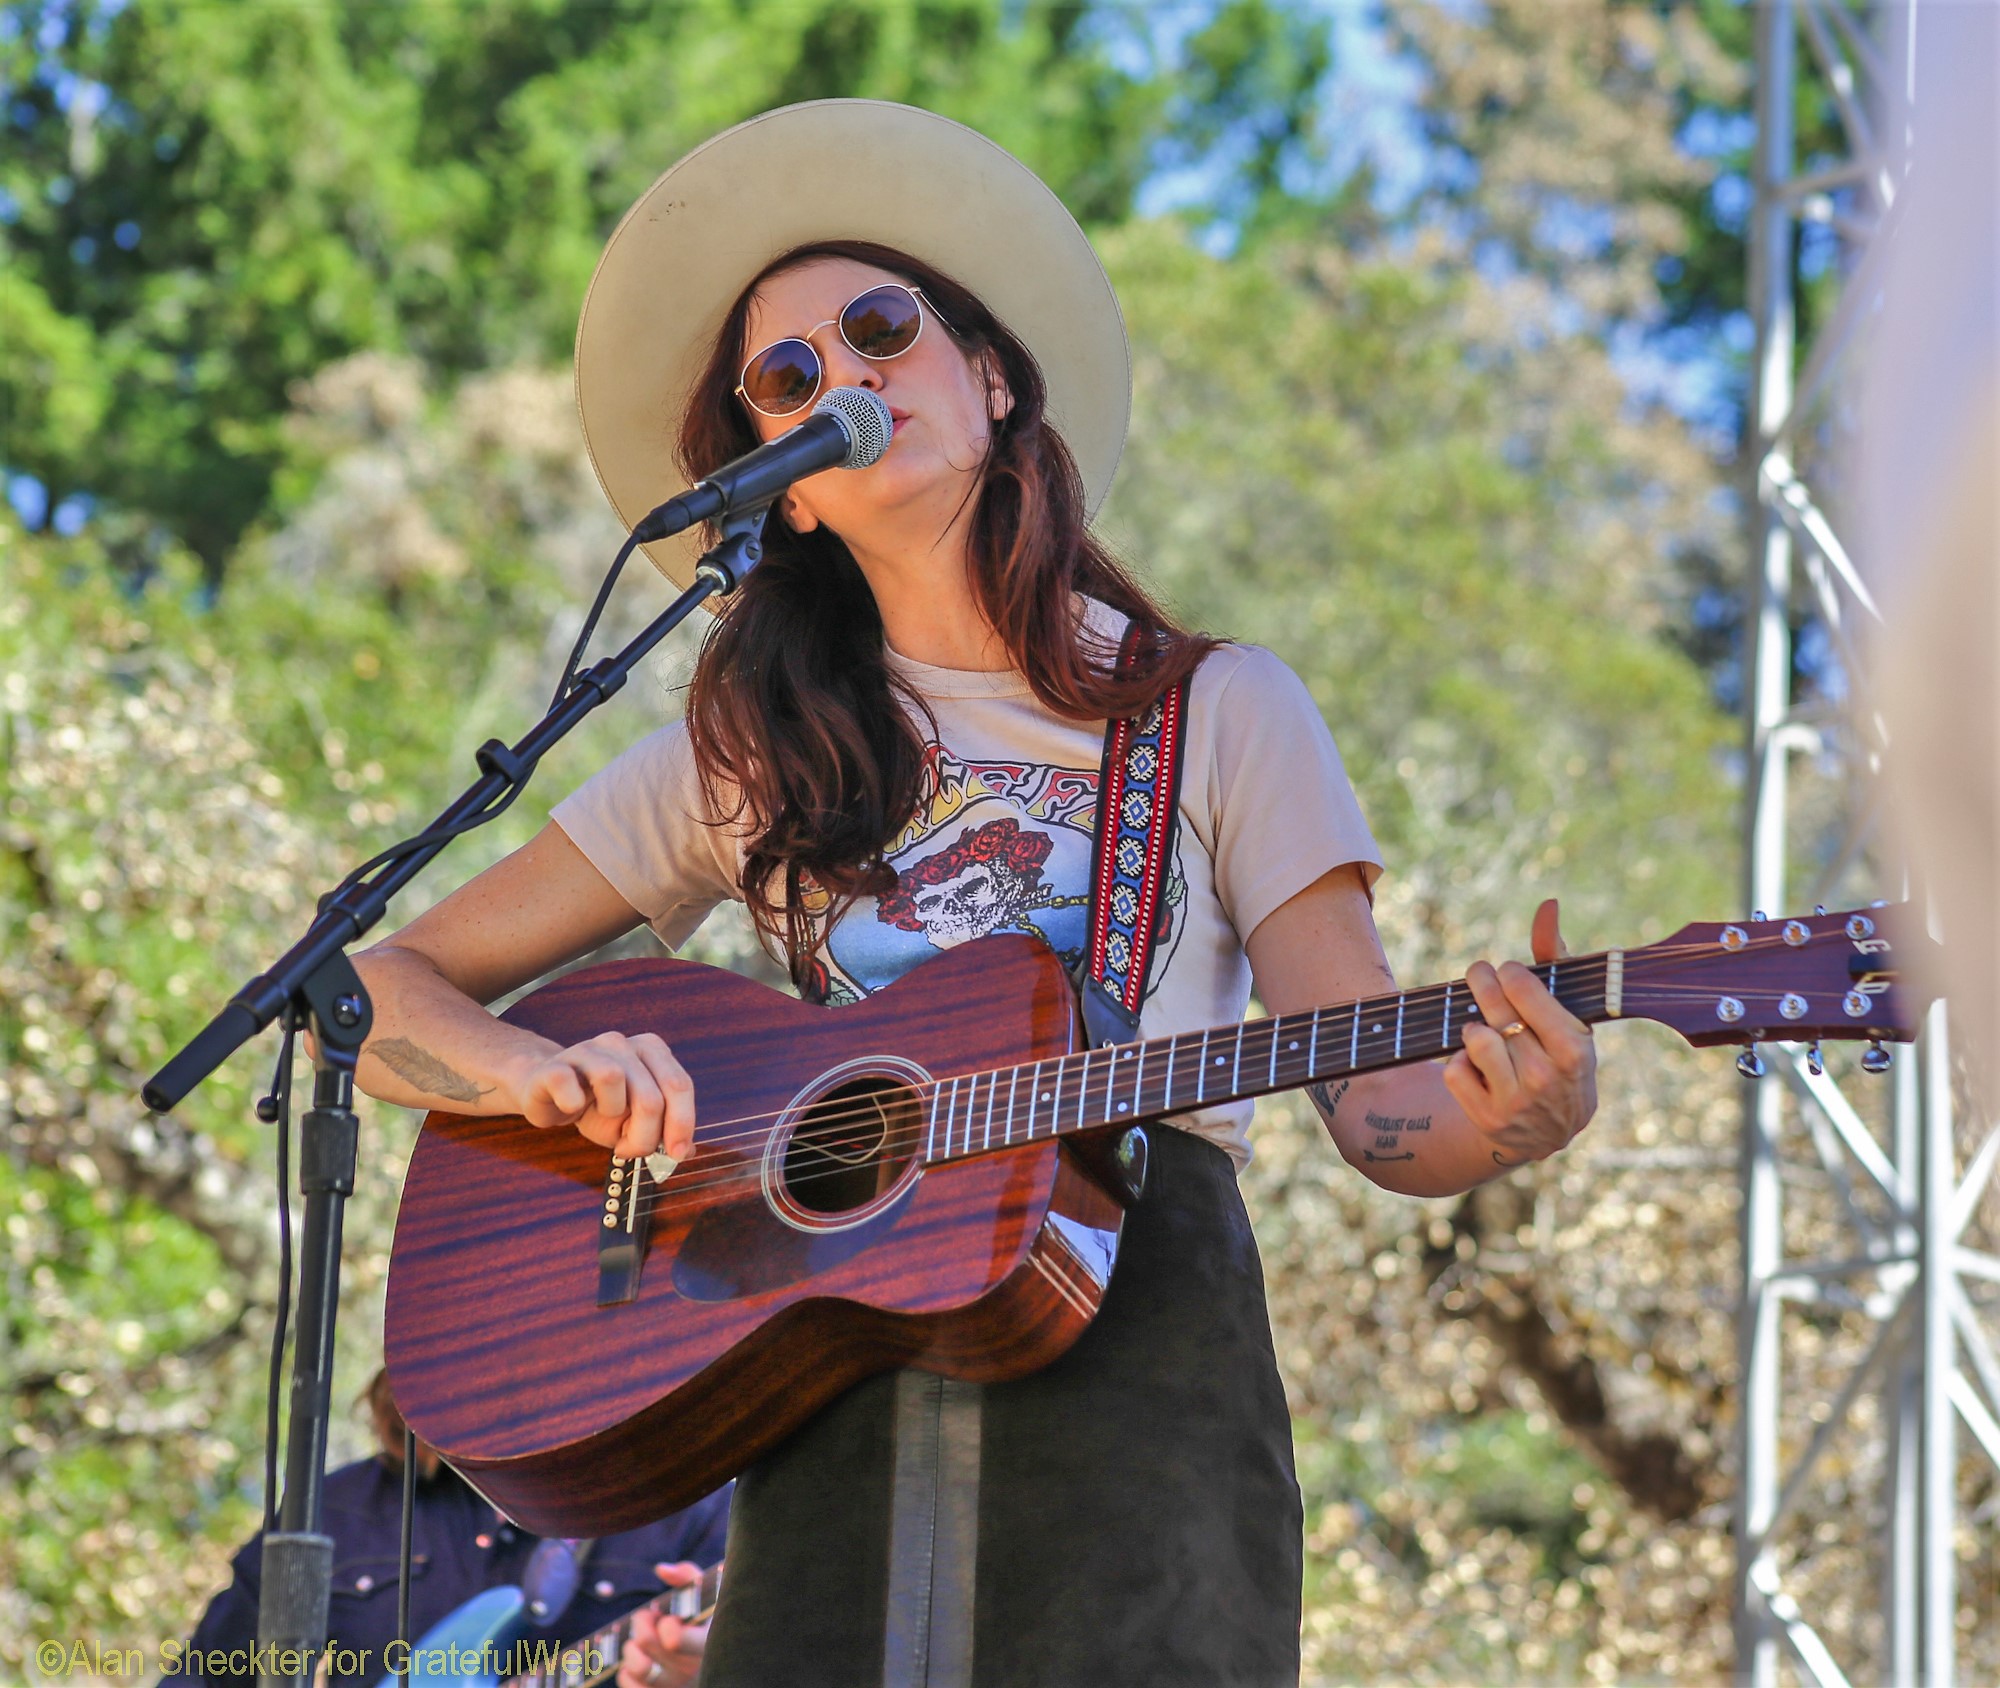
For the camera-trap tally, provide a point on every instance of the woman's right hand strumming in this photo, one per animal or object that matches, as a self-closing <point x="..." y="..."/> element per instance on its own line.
<point x="434" y="1045"/>
<point x="628" y="1093"/>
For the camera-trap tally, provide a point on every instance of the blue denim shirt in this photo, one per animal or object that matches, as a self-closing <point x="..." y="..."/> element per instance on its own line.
<point x="459" y="1547"/>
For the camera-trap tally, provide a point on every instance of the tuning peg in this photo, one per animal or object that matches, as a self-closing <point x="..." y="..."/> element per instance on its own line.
<point x="1876" y="1059"/>
<point x="1750" y="1064"/>
<point x="1815" y="1061"/>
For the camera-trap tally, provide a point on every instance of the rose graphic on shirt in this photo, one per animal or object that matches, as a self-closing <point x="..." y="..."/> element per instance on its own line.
<point x="993" y="847"/>
<point x="988" y="880"/>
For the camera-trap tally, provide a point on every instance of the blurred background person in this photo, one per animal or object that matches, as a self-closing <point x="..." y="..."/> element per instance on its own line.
<point x="1931" y="475"/>
<point x="460" y="1547"/>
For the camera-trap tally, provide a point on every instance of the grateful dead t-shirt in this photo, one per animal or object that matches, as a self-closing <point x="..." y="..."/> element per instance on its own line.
<point x="1001" y="839"/>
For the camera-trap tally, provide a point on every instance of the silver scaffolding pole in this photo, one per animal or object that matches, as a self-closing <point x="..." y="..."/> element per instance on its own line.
<point x="1887" y="1278"/>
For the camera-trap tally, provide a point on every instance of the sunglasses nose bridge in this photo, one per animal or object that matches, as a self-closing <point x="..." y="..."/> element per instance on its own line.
<point x="840" y="364"/>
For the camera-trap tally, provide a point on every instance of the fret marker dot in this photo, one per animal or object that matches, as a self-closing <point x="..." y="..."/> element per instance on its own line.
<point x="1122" y="1107"/>
<point x="1293" y="1044"/>
<point x="1220" y="1062"/>
<point x="1045" y="1095"/>
<point x="1374" y="1028"/>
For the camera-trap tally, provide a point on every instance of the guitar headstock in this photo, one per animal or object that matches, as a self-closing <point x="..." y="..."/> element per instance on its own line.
<point x="1803" y="979"/>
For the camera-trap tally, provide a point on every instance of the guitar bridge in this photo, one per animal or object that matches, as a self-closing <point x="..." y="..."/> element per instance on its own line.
<point x="622" y="1236"/>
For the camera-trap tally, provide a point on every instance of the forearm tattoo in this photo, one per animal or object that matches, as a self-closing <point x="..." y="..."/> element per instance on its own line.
<point x="1327" y="1100"/>
<point x="419" y="1067"/>
<point x="1389" y="1133"/>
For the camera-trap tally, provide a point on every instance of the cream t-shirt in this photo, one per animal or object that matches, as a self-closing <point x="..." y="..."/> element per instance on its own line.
<point x="1001" y="841"/>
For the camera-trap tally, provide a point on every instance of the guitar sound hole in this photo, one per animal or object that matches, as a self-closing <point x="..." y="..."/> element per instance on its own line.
<point x="852" y="1145"/>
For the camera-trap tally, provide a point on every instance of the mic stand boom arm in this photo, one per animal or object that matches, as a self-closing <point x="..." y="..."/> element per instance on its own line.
<point x="314" y="983"/>
<point x="358" y="905"/>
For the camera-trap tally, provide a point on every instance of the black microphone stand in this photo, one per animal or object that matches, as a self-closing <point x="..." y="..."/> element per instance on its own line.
<point x="313" y="983"/>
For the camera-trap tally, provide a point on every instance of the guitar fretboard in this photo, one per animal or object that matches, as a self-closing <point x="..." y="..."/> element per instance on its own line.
<point x="1129" y="1083"/>
<point x="608" y="1643"/>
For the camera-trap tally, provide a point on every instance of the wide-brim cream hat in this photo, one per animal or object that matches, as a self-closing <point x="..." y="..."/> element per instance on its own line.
<point x="834" y="170"/>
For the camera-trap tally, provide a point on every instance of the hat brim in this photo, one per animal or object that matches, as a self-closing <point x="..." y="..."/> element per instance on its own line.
<point x="834" y="170"/>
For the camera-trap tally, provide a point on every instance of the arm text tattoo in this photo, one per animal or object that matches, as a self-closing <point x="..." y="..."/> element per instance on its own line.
<point x="426" y="1071"/>
<point x="1389" y="1131"/>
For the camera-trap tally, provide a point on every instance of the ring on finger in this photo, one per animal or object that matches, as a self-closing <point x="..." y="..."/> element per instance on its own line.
<point x="656" y="1672"/>
<point x="1515" y="1030"/>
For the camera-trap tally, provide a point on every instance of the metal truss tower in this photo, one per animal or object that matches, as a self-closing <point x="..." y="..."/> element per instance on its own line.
<point x="1866" y="1373"/>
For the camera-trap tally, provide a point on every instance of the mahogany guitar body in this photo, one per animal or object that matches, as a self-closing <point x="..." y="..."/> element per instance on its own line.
<point x="802" y="1248"/>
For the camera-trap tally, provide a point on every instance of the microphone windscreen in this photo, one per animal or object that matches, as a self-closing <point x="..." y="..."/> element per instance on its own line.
<point x="866" y="419"/>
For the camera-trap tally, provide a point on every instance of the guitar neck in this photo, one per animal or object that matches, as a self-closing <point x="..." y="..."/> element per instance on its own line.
<point x="687" y="1604"/>
<point x="1132" y="1083"/>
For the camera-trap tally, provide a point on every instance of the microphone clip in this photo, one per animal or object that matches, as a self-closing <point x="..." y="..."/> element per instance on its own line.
<point x="738" y="551"/>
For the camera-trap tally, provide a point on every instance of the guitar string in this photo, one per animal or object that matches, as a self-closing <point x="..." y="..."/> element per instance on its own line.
<point x="709" y="1178"/>
<point x="1072" y="1088"/>
<point x="682" y="1192"/>
<point x="1416" y="1024"/>
<point x="703" y="1186"/>
<point x="1636" y="970"/>
<point x="862" y="1108"/>
<point x="1637" y="965"/>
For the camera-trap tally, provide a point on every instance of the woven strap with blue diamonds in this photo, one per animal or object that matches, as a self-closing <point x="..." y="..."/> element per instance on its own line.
<point x="1138" y="810"/>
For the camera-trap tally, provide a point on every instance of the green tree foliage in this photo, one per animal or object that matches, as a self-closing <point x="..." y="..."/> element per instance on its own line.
<point x="211" y="203"/>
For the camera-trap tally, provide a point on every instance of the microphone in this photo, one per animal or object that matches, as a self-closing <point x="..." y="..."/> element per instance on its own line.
<point x="849" y="428"/>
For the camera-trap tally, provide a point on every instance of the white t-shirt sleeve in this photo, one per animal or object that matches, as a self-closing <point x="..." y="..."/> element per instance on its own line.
<point x="641" y="821"/>
<point x="1278" y="803"/>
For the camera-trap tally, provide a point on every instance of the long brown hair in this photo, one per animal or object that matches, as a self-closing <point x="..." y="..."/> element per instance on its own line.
<point x="793" y="707"/>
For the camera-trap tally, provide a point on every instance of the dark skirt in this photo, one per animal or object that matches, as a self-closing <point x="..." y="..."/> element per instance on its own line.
<point x="1139" y="1518"/>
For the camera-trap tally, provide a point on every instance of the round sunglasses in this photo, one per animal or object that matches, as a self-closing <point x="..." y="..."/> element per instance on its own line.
<point x="882" y="323"/>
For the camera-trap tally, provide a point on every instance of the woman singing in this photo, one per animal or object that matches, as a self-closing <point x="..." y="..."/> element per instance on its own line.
<point x="891" y="748"/>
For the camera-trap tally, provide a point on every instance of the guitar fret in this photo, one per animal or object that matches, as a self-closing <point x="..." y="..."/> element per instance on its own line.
<point x="1236" y="1066"/>
<point x="1173" y="1049"/>
<point x="1312" y="1048"/>
<point x="1445" y="1041"/>
<point x="991" y="1088"/>
<point x="1013" y="1086"/>
<point x="1399" y="1027"/>
<point x="1082" y="1085"/>
<point x="1354" y="1040"/>
<point x="1272" y="1081"/>
<point x="1201" y="1072"/>
<point x="951" y="1116"/>
<point x="1139" y="1083"/>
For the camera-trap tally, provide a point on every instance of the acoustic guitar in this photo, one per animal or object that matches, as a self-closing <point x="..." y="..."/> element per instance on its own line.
<point x="933" y="1177"/>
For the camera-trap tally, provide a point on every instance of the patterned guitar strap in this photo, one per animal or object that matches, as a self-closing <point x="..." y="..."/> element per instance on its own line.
<point x="934" y="1485"/>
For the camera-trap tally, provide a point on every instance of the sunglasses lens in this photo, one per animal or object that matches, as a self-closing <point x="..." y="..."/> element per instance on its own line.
<point x="782" y="379"/>
<point x="882" y="322"/>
